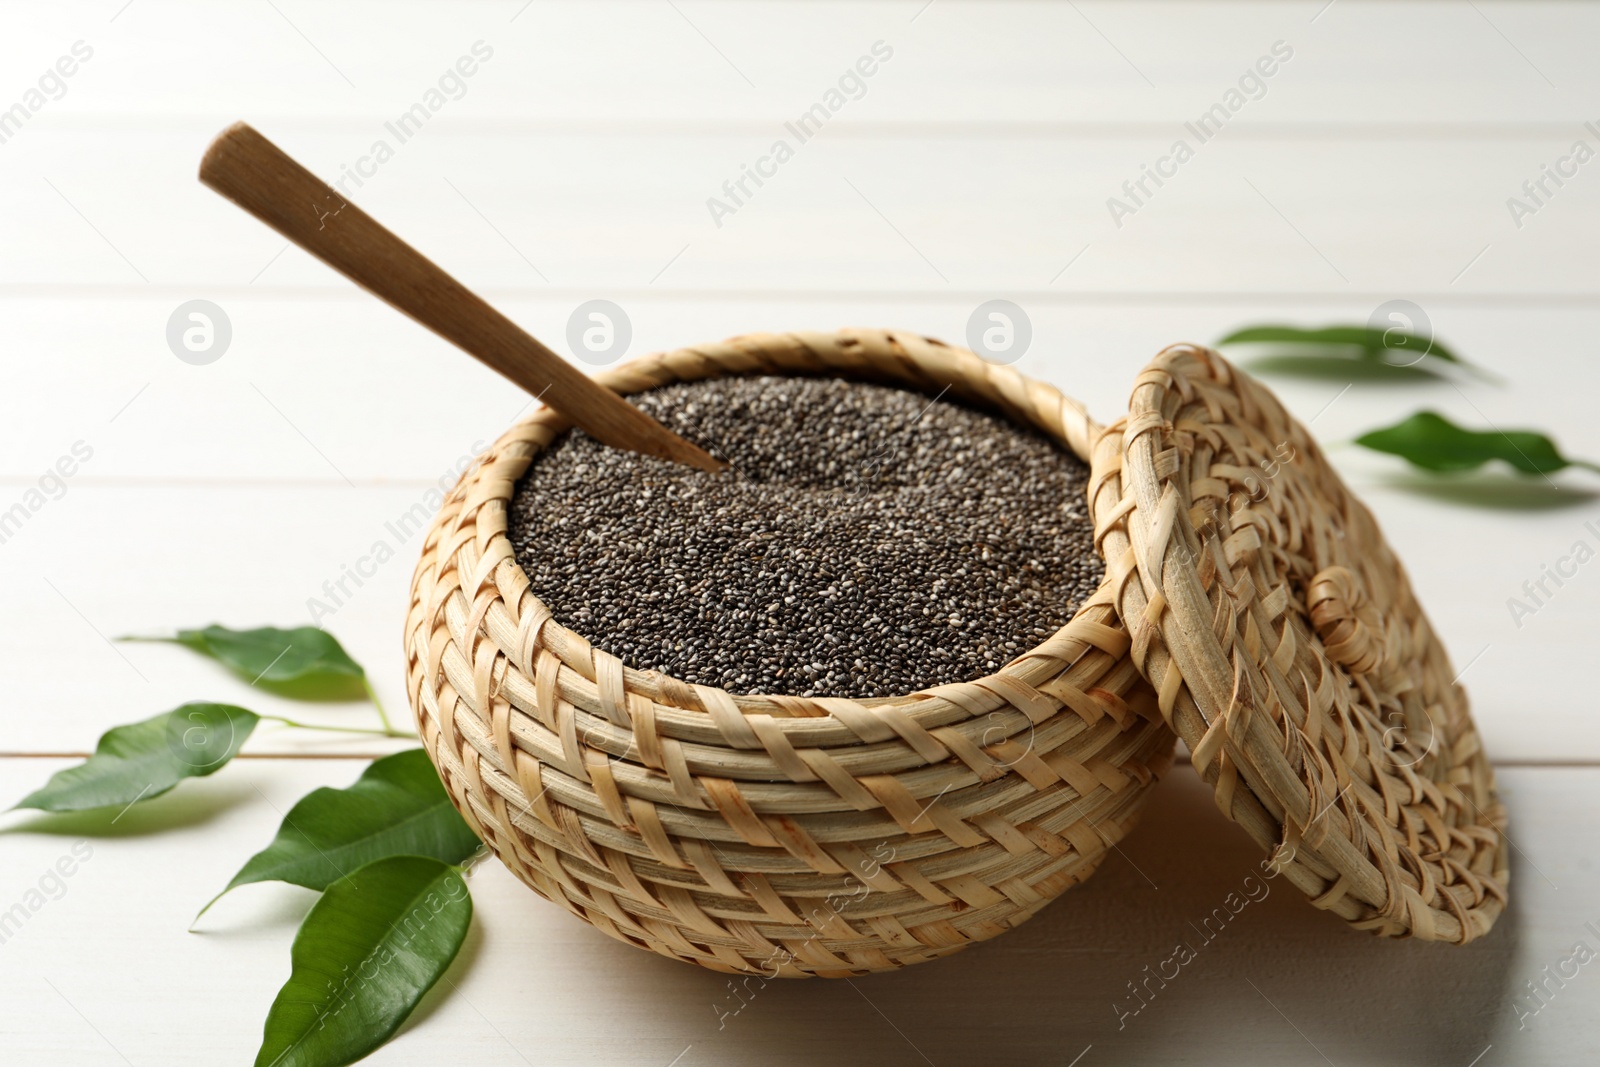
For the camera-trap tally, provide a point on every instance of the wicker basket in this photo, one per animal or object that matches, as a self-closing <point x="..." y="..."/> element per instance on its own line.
<point x="776" y="835"/>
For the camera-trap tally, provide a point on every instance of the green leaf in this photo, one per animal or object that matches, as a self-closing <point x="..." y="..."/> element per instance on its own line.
<point x="1369" y="342"/>
<point x="145" y="759"/>
<point x="1372" y="341"/>
<point x="366" y="953"/>
<point x="398" y="807"/>
<point x="1432" y="442"/>
<point x="305" y="662"/>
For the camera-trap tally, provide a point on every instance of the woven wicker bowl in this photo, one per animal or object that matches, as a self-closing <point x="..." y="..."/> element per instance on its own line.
<point x="778" y="835"/>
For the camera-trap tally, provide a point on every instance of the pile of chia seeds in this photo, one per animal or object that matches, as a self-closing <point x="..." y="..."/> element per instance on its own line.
<point x="867" y="542"/>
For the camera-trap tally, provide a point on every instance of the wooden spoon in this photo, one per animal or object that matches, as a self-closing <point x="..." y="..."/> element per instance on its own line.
<point x="254" y="173"/>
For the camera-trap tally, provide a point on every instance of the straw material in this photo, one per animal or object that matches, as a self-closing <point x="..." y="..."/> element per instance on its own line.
<point x="774" y="835"/>
<point x="1291" y="656"/>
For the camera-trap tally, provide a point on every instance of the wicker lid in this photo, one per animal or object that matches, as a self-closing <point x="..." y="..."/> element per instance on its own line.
<point x="1292" y="658"/>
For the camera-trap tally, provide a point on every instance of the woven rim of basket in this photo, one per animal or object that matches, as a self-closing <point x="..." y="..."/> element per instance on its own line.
<point x="998" y="793"/>
<point x="1261" y="588"/>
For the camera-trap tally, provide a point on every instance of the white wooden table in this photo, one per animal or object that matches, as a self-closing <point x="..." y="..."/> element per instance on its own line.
<point x="576" y="163"/>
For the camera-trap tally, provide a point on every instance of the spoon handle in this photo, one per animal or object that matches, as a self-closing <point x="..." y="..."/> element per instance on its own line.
<point x="254" y="173"/>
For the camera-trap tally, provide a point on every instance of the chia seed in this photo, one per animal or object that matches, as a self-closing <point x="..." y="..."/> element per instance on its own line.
<point x="867" y="542"/>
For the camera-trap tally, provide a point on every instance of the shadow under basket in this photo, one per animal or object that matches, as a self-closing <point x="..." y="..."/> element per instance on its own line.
<point x="765" y="834"/>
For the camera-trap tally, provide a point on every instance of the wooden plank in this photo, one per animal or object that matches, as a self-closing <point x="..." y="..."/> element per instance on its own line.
<point x="536" y="985"/>
<point x="333" y="390"/>
<point x="574" y="211"/>
<point x="1101" y="63"/>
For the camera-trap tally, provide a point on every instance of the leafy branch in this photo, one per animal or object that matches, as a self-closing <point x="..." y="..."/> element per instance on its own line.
<point x="384" y="853"/>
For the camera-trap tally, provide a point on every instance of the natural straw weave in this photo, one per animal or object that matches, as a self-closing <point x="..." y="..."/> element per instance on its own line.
<point x="1293" y="659"/>
<point x="776" y="835"/>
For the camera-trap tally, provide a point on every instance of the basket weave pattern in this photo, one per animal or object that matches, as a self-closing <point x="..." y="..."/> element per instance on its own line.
<point x="1290" y="654"/>
<point x="767" y="834"/>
